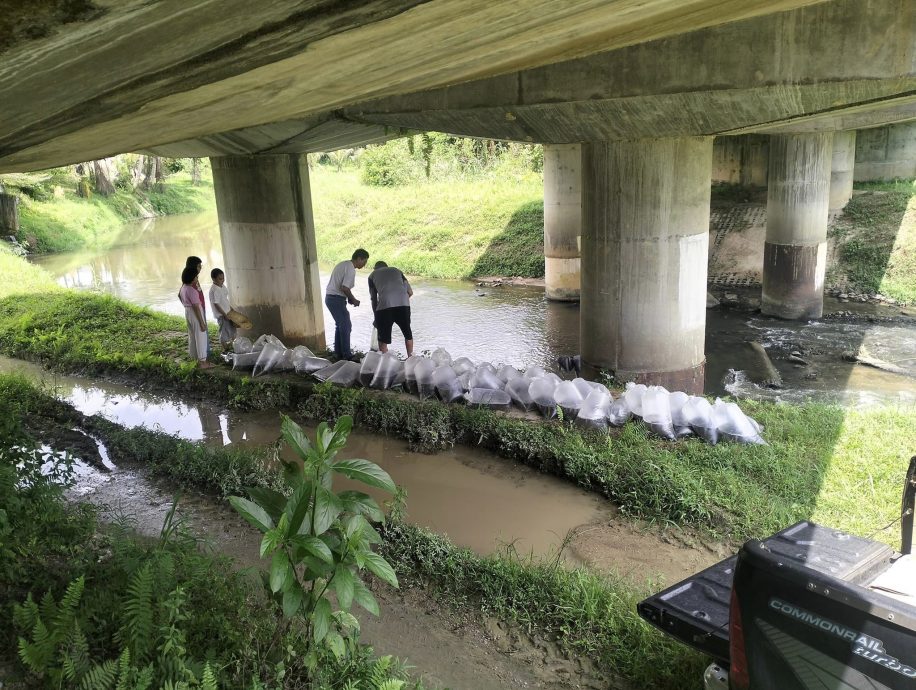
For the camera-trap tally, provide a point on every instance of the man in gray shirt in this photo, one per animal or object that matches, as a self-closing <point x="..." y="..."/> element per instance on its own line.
<point x="390" y="293"/>
<point x="338" y="293"/>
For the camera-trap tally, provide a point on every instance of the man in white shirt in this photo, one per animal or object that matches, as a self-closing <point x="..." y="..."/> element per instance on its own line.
<point x="338" y="293"/>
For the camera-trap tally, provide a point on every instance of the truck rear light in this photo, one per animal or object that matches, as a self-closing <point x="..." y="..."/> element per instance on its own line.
<point x="738" y="676"/>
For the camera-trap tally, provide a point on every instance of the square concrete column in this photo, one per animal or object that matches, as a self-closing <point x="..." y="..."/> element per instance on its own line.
<point x="562" y="220"/>
<point x="268" y="236"/>
<point x="795" y="252"/>
<point x="645" y="238"/>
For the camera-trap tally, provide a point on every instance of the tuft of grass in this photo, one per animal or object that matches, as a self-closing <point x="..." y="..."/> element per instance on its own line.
<point x="18" y="276"/>
<point x="455" y="229"/>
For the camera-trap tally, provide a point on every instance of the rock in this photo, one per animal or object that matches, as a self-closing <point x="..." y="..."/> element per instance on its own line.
<point x="730" y="297"/>
<point x="711" y="301"/>
<point x="843" y="295"/>
<point x="798" y="361"/>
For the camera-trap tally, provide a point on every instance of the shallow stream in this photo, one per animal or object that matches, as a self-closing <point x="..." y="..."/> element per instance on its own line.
<point x="518" y="326"/>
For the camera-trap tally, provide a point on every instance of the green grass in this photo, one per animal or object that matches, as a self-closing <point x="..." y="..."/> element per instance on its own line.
<point x="18" y="276"/>
<point x="64" y="224"/>
<point x="455" y="229"/>
<point x="877" y="241"/>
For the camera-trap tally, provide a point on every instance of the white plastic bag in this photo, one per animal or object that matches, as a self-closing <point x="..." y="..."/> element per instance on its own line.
<point x="410" y="377"/>
<point x="734" y="425"/>
<point x="656" y="412"/>
<point x="507" y="373"/>
<point x="463" y="365"/>
<point x="271" y="357"/>
<point x="541" y="391"/>
<point x="389" y="372"/>
<point x="373" y="340"/>
<point x="534" y="372"/>
<point x="568" y="398"/>
<point x="447" y="384"/>
<point x="368" y="367"/>
<point x="309" y="365"/>
<point x="697" y="412"/>
<point x="633" y="395"/>
<point x="423" y="372"/>
<point x="594" y="410"/>
<point x="677" y="401"/>
<point x="241" y="345"/>
<point x="485" y="377"/>
<point x="619" y="412"/>
<point x="517" y="389"/>
<point x="245" y="360"/>
<point x="330" y="370"/>
<point x="488" y="398"/>
<point x="346" y="376"/>
<point x="441" y="357"/>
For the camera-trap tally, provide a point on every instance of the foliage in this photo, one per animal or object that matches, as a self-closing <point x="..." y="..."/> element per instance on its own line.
<point x="388" y="165"/>
<point x="318" y="540"/>
<point x="876" y="238"/>
<point x="450" y="228"/>
<point x="588" y="614"/>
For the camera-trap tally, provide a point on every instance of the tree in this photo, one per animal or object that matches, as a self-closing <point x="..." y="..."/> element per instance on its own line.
<point x="102" y="178"/>
<point x="195" y="172"/>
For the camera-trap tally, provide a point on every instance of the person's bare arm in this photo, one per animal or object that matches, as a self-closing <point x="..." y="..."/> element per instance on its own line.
<point x="349" y="293"/>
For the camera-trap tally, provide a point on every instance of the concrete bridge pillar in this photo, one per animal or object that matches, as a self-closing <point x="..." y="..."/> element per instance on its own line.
<point x="268" y="236"/>
<point x="795" y="252"/>
<point x="562" y="220"/>
<point x="841" y="169"/>
<point x="645" y="221"/>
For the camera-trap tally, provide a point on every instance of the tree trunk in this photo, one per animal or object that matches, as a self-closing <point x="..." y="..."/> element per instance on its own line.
<point x="195" y="172"/>
<point x="148" y="172"/>
<point x="9" y="214"/>
<point x="103" y="183"/>
<point x="157" y="165"/>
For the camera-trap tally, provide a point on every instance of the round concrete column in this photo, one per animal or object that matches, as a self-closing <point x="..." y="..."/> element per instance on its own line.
<point x="795" y="252"/>
<point x="268" y="237"/>
<point x="841" y="169"/>
<point x="562" y="220"/>
<point x="645" y="239"/>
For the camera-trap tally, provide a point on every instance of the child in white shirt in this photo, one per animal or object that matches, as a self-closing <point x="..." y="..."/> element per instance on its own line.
<point x="219" y="298"/>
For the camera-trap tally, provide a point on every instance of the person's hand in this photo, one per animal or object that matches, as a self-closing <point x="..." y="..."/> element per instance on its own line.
<point x="354" y="302"/>
<point x="203" y="327"/>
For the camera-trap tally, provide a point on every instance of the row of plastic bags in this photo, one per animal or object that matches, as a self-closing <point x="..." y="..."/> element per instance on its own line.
<point x="668" y="415"/>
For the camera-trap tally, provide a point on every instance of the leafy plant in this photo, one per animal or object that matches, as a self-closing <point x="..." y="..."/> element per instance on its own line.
<point x="319" y="541"/>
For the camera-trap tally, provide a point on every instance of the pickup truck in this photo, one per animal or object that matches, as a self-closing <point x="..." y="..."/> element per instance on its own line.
<point x="808" y="608"/>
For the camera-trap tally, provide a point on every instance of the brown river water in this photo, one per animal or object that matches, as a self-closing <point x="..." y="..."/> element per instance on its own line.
<point x="518" y="326"/>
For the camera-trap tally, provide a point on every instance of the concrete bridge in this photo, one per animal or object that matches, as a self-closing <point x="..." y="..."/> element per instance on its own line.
<point x="627" y="96"/>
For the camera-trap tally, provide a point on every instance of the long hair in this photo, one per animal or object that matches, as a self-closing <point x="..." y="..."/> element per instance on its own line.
<point x="188" y="275"/>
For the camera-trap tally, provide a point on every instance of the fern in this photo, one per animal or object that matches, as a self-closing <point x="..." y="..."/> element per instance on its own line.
<point x="100" y="677"/>
<point x="25" y="614"/>
<point x="125" y="671"/>
<point x="391" y="684"/>
<point x="208" y="682"/>
<point x="379" y="673"/>
<point x="137" y="630"/>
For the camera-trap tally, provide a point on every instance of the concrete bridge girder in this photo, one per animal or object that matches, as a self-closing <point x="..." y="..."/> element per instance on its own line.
<point x="134" y="74"/>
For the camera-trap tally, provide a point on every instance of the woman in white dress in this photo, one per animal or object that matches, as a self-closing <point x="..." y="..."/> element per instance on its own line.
<point x="190" y="297"/>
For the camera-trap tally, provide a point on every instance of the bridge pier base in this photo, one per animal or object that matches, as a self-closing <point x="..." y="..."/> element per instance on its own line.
<point x="841" y="169"/>
<point x="795" y="252"/>
<point x="268" y="236"/>
<point x="645" y="222"/>
<point x="562" y="221"/>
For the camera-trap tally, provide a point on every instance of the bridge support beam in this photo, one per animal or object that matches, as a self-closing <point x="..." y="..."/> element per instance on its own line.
<point x="645" y="222"/>
<point x="795" y="252"/>
<point x="562" y="221"/>
<point x="841" y="169"/>
<point x="268" y="236"/>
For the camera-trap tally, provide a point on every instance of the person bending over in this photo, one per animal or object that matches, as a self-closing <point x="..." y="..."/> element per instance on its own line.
<point x="391" y="293"/>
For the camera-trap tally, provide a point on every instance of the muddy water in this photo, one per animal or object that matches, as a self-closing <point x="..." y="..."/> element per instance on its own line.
<point x="516" y="325"/>
<point x="478" y="500"/>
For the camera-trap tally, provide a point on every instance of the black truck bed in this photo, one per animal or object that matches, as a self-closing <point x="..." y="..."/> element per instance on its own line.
<point x="696" y="610"/>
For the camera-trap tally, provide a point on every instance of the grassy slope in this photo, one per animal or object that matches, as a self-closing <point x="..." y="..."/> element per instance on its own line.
<point x="72" y="222"/>
<point x="452" y="229"/>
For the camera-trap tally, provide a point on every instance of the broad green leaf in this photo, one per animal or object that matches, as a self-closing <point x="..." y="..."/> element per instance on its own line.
<point x="379" y="566"/>
<point x="363" y="597"/>
<point x="321" y="619"/>
<point x="271" y="501"/>
<point x="346" y="620"/>
<point x="355" y="525"/>
<point x="358" y="502"/>
<point x="341" y="432"/>
<point x="292" y="601"/>
<point x="316" y="568"/>
<point x="343" y="585"/>
<point x="269" y="542"/>
<point x="336" y="644"/>
<point x="327" y="508"/>
<point x="365" y="472"/>
<point x="298" y="506"/>
<point x="279" y="571"/>
<point x="314" y="546"/>
<point x="295" y="437"/>
<point x="321" y="433"/>
<point x="252" y="512"/>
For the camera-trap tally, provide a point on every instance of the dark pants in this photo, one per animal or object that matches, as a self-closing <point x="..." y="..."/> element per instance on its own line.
<point x="337" y="305"/>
